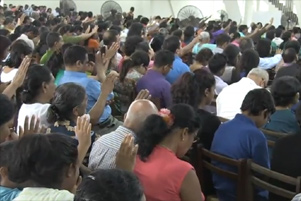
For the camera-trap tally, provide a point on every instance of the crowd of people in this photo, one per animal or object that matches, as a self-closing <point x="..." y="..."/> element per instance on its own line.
<point x="96" y="108"/>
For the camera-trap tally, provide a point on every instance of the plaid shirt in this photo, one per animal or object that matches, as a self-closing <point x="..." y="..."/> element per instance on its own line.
<point x="104" y="150"/>
<point x="297" y="197"/>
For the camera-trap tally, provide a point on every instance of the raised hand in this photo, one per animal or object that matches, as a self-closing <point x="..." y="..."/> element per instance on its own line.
<point x="83" y="131"/>
<point x="32" y="128"/>
<point x="95" y="29"/>
<point x="143" y="94"/>
<point x="126" y="155"/>
<point x="108" y="85"/>
<point x="88" y="29"/>
<point x="21" y="73"/>
<point x="112" y="50"/>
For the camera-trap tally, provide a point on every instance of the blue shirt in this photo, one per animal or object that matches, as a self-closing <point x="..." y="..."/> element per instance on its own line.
<point x="178" y="69"/>
<point x="198" y="47"/>
<point x="157" y="86"/>
<point x="93" y="90"/>
<point x="8" y="194"/>
<point x="269" y="62"/>
<point x="238" y="139"/>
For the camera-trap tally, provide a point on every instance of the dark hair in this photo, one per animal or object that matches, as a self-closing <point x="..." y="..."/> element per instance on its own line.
<point x="109" y="37"/>
<point x="56" y="61"/>
<point x="138" y="58"/>
<point x="4" y="44"/>
<point x="52" y="38"/>
<point x="64" y="29"/>
<point x="110" y="185"/>
<point x="222" y="39"/>
<point x="143" y="46"/>
<point x="278" y="32"/>
<point x="42" y="159"/>
<point x="90" y="14"/>
<point x="19" y="49"/>
<point x="155" y="129"/>
<point x="144" y="20"/>
<point x="157" y="42"/>
<point x="135" y="29"/>
<point x="4" y="32"/>
<point x="73" y="54"/>
<point x="7" y="109"/>
<point x="116" y="28"/>
<point x="163" y="58"/>
<point x="190" y="88"/>
<point x="61" y="108"/>
<point x="217" y="63"/>
<point x="231" y="52"/>
<point x="171" y="43"/>
<point x="249" y="60"/>
<point x="286" y="36"/>
<point x="178" y="33"/>
<point x="35" y="77"/>
<point x="30" y="28"/>
<point x="284" y="90"/>
<point x="204" y="55"/>
<point x="263" y="47"/>
<point x="246" y="44"/>
<point x="293" y="44"/>
<point x="188" y="32"/>
<point x="6" y="150"/>
<point x="270" y="34"/>
<point x="242" y="27"/>
<point x="131" y="44"/>
<point x="289" y="55"/>
<point x="8" y="20"/>
<point x="258" y="100"/>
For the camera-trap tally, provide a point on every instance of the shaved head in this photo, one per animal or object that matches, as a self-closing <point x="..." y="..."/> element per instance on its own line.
<point x="138" y="111"/>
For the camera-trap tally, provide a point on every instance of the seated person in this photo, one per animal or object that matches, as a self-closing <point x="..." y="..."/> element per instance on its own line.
<point x="154" y="79"/>
<point x="285" y="91"/>
<point x="241" y="138"/>
<point x="110" y="185"/>
<point x="217" y="66"/>
<point x="286" y="160"/>
<point x="290" y="67"/>
<point x="54" y="42"/>
<point x="162" y="139"/>
<point x="201" y="59"/>
<point x="228" y="102"/>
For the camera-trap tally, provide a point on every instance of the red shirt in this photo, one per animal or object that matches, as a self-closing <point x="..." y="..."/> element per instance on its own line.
<point x="162" y="175"/>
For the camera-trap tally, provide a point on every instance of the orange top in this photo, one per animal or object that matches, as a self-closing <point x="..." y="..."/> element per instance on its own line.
<point x="162" y="175"/>
<point x="92" y="43"/>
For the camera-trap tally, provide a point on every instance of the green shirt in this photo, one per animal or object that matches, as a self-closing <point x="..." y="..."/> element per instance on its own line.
<point x="45" y="58"/>
<point x="72" y="39"/>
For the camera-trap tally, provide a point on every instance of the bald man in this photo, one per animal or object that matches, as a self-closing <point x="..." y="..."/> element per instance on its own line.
<point x="104" y="150"/>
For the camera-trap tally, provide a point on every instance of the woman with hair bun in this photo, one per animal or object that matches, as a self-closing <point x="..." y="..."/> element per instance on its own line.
<point x="162" y="139"/>
<point x="38" y="90"/>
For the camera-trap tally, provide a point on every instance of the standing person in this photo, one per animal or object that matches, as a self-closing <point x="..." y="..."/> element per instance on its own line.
<point x="241" y="138"/>
<point x="54" y="42"/>
<point x="154" y="80"/>
<point x="130" y="15"/>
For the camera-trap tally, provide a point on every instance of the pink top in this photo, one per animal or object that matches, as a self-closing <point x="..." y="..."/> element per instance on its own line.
<point x="162" y="175"/>
<point x="235" y="42"/>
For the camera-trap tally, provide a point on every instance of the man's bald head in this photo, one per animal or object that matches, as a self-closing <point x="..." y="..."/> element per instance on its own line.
<point x="138" y="111"/>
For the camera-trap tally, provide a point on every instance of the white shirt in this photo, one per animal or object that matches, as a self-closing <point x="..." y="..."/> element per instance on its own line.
<point x="269" y="62"/>
<point x="37" y="109"/>
<point x="44" y="194"/>
<point x="218" y="50"/>
<point x="27" y="40"/>
<point x="277" y="41"/>
<point x="229" y="101"/>
<point x="219" y="84"/>
<point x="8" y="77"/>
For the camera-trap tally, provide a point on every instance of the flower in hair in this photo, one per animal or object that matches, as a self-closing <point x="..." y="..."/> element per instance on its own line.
<point x="167" y="116"/>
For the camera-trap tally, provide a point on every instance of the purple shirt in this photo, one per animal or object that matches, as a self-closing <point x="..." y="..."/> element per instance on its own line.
<point x="157" y="85"/>
<point x="215" y="34"/>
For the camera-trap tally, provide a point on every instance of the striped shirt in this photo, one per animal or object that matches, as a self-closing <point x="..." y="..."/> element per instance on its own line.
<point x="104" y="150"/>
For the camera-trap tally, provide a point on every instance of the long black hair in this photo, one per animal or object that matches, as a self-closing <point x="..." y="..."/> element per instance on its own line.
<point x="42" y="159"/>
<point x="19" y="49"/>
<point x="66" y="97"/>
<point x="36" y="76"/>
<point x="190" y="88"/>
<point x="155" y="129"/>
<point x="138" y="58"/>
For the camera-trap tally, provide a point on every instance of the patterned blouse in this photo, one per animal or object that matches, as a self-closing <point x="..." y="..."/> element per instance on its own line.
<point x="68" y="128"/>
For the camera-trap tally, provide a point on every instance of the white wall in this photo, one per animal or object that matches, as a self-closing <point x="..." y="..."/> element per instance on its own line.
<point x="247" y="10"/>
